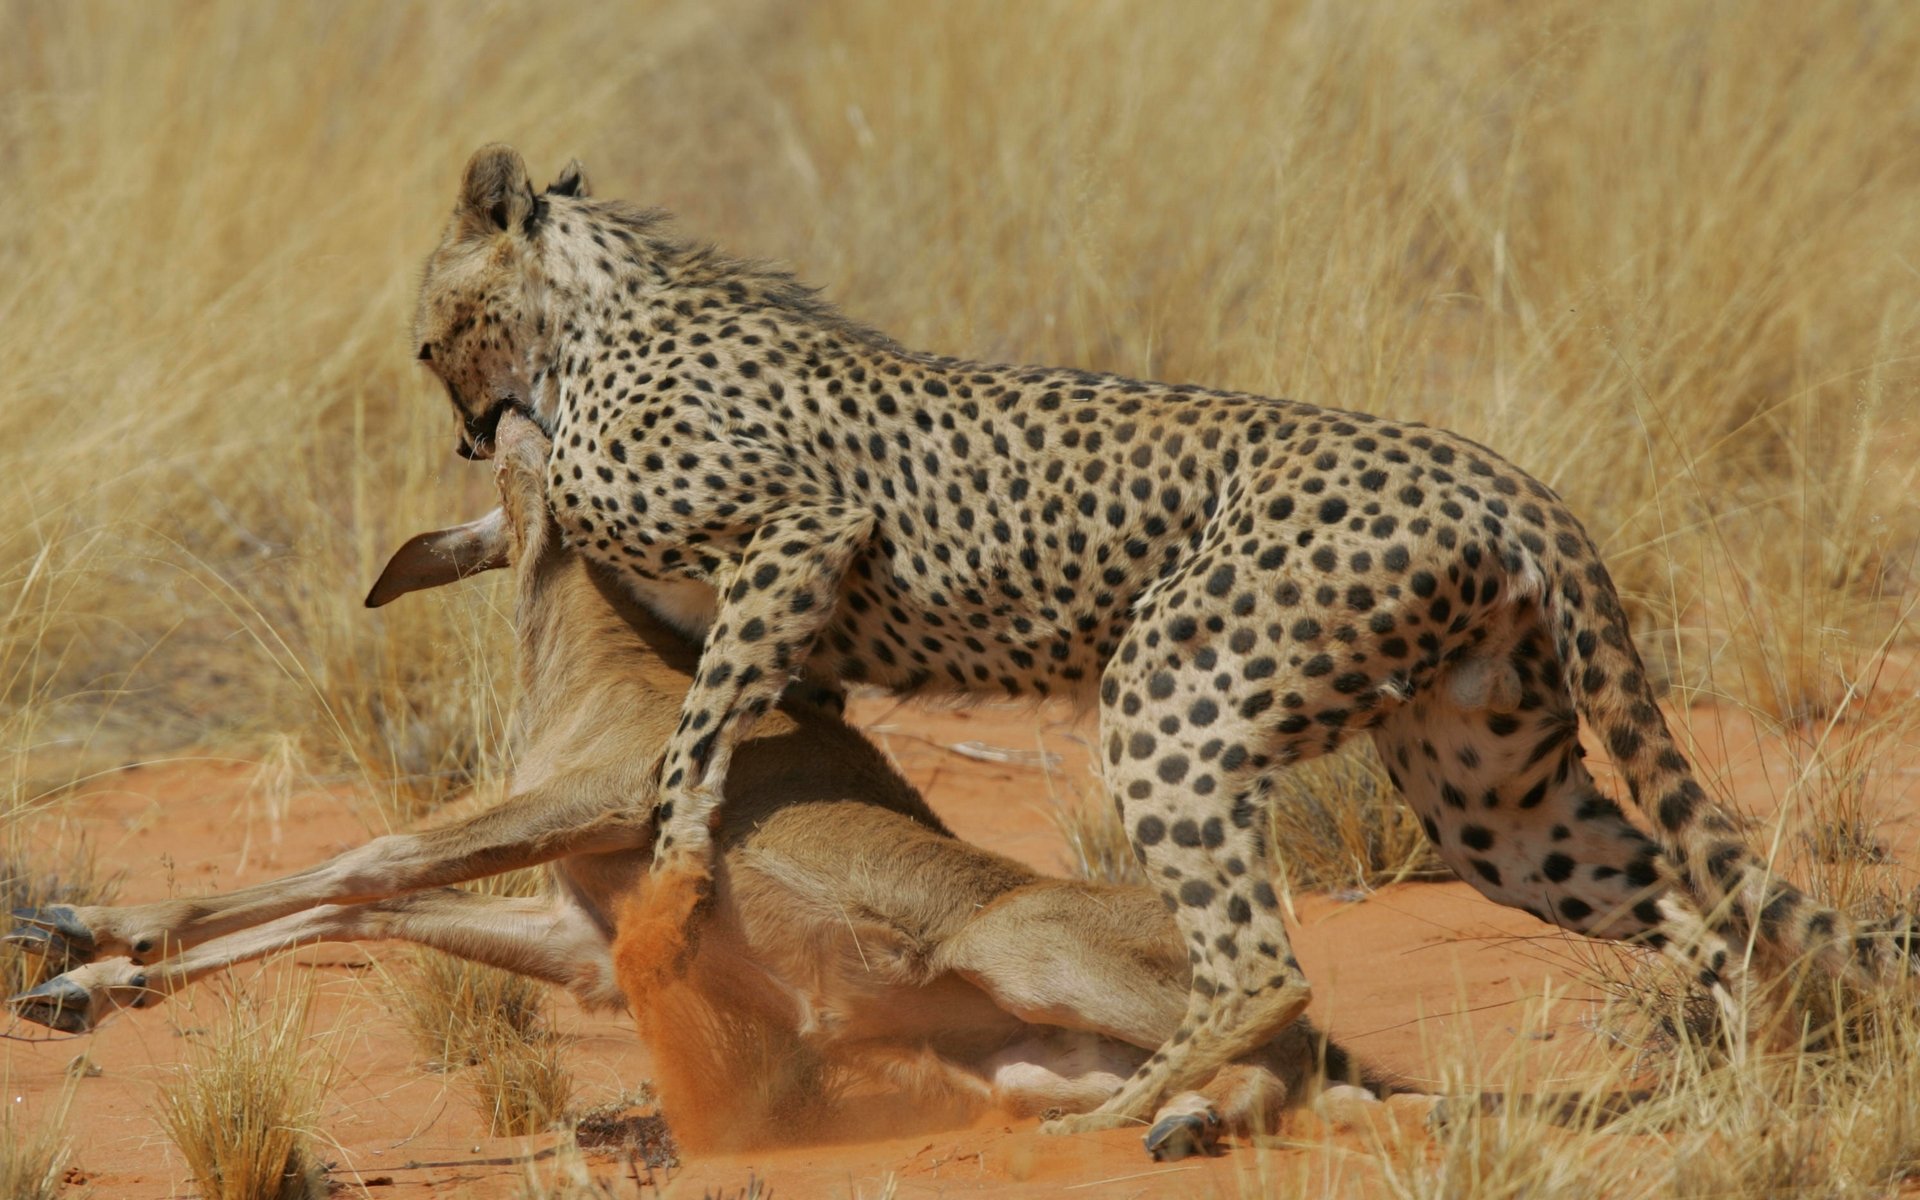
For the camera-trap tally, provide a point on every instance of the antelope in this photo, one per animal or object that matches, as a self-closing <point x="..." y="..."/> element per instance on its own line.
<point x="849" y="928"/>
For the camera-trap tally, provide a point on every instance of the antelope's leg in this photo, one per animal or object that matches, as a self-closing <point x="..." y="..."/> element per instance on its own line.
<point x="544" y="937"/>
<point x="582" y="813"/>
<point x="1056" y="954"/>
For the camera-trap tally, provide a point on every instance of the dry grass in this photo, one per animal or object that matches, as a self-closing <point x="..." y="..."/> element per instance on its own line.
<point x="1338" y="822"/>
<point x="33" y="1150"/>
<point x="1334" y="823"/>
<point x="492" y="1028"/>
<point x="1840" y="1124"/>
<point x="1096" y="837"/>
<point x="1687" y="304"/>
<point x="241" y="1107"/>
<point x="1662" y="255"/>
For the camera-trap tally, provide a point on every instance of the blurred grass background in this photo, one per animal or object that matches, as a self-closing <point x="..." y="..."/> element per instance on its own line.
<point x="1666" y="256"/>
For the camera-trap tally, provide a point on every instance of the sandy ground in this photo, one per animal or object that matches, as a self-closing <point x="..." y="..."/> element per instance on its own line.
<point x="1401" y="975"/>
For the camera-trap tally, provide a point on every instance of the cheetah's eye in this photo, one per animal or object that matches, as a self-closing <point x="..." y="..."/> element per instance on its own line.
<point x="426" y="352"/>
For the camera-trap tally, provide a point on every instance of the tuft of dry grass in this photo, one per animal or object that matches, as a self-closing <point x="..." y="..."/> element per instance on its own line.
<point x="492" y="1028"/>
<point x="1338" y="822"/>
<point x="1835" y="1124"/>
<point x="241" y="1106"/>
<point x="1841" y="1122"/>
<point x="1334" y="822"/>
<point x="33" y="1154"/>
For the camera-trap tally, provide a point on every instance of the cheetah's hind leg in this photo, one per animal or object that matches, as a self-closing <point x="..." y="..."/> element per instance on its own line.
<point x="1495" y="773"/>
<point x="1187" y="758"/>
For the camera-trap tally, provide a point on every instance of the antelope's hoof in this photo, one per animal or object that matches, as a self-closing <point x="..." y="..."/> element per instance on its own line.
<point x="55" y="933"/>
<point x="58" y="1004"/>
<point x="1183" y="1136"/>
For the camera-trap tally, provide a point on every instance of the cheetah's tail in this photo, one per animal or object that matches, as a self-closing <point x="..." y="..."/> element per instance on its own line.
<point x="1739" y="894"/>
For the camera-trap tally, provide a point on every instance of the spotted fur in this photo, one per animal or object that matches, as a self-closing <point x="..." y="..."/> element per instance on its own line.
<point x="1243" y="582"/>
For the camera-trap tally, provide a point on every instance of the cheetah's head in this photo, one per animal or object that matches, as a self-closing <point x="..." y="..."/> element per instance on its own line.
<point x="479" y="318"/>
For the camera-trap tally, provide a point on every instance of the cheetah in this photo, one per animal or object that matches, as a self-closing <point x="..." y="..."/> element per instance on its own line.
<point x="1239" y="583"/>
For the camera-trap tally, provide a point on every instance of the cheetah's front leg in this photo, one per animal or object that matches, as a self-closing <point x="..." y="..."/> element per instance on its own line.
<point x="781" y="595"/>
<point x="778" y="600"/>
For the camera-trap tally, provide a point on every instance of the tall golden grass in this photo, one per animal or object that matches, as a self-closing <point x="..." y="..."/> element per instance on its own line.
<point x="1666" y="256"/>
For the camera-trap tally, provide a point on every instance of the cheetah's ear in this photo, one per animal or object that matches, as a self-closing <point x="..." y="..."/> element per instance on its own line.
<point x="572" y="181"/>
<point x="495" y="193"/>
<point x="429" y="560"/>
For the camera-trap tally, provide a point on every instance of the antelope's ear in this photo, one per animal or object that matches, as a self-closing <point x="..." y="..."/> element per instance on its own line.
<point x="429" y="560"/>
<point x="572" y="181"/>
<point x="495" y="193"/>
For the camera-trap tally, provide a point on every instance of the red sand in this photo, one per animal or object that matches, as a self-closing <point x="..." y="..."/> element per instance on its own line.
<point x="1404" y="973"/>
